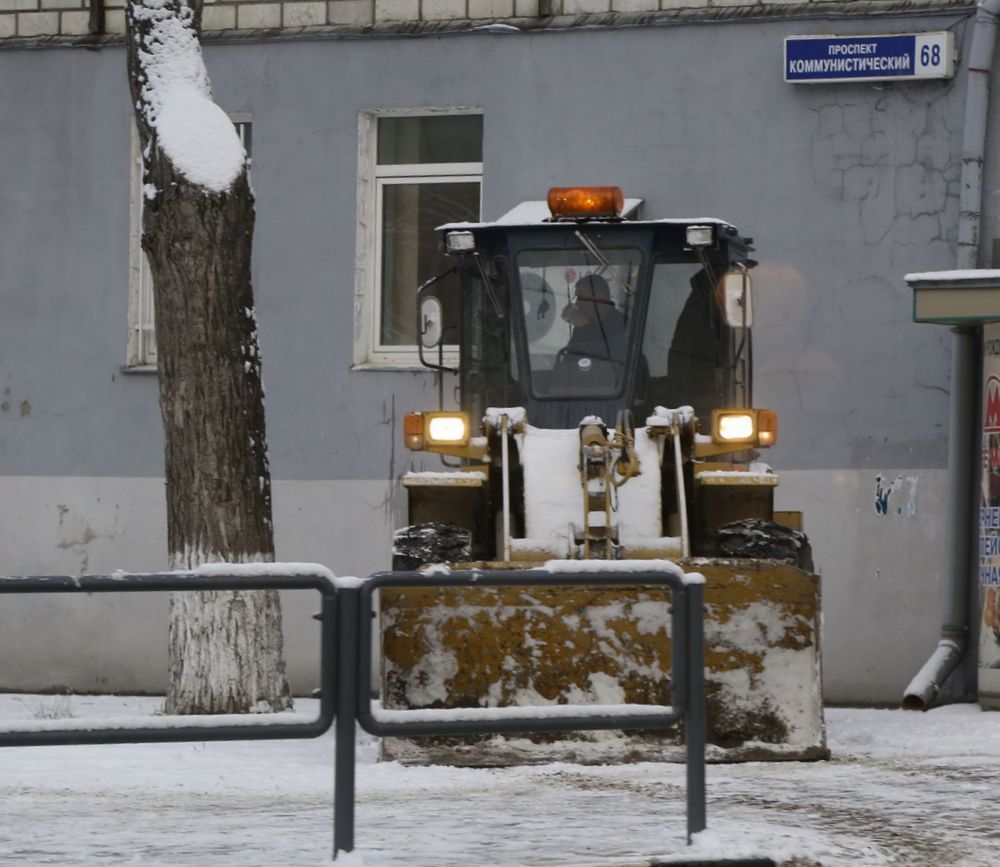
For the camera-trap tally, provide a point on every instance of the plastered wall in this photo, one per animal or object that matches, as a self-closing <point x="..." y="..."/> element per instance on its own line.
<point x="844" y="187"/>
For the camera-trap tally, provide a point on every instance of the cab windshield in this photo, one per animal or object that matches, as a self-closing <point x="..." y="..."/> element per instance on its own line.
<point x="580" y="314"/>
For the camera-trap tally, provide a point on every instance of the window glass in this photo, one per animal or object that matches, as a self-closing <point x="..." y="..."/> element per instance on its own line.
<point x="489" y="352"/>
<point x="244" y="129"/>
<point x="428" y="172"/>
<point x="671" y="288"/>
<point x="411" y="252"/>
<point x="430" y="139"/>
<point x="682" y="340"/>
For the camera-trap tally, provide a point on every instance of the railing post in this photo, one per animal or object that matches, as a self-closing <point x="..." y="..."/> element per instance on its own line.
<point x="346" y="661"/>
<point x="694" y="730"/>
<point x="347" y="712"/>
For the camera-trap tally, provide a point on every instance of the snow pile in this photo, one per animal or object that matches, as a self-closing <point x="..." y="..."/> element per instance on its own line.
<point x="538" y="711"/>
<point x="970" y="274"/>
<point x="622" y="566"/>
<point x="665" y="416"/>
<point x="427" y="478"/>
<point x="265" y="570"/>
<point x="953" y="734"/>
<point x="783" y="682"/>
<point x="553" y="498"/>
<point x="158" y="723"/>
<point x="737" y="476"/>
<point x="194" y="133"/>
<point x="553" y="495"/>
<point x="516" y="415"/>
<point x="639" y="500"/>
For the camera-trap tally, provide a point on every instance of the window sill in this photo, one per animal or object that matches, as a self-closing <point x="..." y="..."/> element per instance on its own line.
<point x="131" y="369"/>
<point x="406" y="360"/>
<point x="398" y="366"/>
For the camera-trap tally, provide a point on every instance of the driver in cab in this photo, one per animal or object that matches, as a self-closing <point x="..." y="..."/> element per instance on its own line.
<point x="598" y="326"/>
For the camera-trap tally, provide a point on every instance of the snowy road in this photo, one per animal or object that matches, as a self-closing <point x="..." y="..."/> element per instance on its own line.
<point x="902" y="789"/>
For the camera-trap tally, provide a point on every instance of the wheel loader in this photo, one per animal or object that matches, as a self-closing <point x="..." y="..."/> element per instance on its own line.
<point x="604" y="392"/>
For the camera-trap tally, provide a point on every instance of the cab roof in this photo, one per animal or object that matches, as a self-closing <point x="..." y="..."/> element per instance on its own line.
<point x="535" y="214"/>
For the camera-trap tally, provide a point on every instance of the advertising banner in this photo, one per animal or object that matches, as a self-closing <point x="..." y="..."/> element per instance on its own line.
<point x="989" y="523"/>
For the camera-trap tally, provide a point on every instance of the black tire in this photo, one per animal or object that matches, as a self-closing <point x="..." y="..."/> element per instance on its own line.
<point x="431" y="542"/>
<point x="755" y="538"/>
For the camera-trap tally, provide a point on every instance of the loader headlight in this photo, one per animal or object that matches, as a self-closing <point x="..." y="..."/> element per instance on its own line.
<point x="752" y="427"/>
<point x="451" y="428"/>
<point x="424" y="429"/>
<point x="733" y="427"/>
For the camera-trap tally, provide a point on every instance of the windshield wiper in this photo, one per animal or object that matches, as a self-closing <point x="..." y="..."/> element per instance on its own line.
<point x="488" y="286"/>
<point x="602" y="260"/>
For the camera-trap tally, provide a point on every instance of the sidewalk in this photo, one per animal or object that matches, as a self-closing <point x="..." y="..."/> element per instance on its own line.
<point x="903" y="788"/>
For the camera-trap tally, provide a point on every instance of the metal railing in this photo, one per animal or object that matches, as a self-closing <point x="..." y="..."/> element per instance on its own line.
<point x="687" y="681"/>
<point x="346" y="664"/>
<point x="194" y="728"/>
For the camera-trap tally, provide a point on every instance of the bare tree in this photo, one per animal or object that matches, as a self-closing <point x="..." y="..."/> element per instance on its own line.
<point x="226" y="653"/>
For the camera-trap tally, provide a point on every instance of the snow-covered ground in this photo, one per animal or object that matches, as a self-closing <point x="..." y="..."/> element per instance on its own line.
<point x="902" y="788"/>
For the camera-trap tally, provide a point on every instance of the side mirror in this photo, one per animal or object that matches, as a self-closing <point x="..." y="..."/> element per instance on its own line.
<point x="431" y="321"/>
<point x="737" y="303"/>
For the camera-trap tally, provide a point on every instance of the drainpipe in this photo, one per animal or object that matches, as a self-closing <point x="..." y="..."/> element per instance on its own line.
<point x="924" y="688"/>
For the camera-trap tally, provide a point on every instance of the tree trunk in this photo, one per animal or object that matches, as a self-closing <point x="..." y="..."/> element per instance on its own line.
<point x="226" y="653"/>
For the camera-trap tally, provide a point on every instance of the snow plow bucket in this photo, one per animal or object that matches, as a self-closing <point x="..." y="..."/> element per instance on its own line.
<point x="519" y="646"/>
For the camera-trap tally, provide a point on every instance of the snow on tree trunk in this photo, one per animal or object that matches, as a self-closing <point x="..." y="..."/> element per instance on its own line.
<point x="226" y="653"/>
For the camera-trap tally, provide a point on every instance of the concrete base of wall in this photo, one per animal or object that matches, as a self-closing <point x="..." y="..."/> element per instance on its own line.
<point x="883" y="573"/>
<point x="116" y="643"/>
<point x="876" y="539"/>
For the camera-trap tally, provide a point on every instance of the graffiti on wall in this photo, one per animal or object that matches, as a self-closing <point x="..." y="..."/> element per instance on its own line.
<point x="898" y="497"/>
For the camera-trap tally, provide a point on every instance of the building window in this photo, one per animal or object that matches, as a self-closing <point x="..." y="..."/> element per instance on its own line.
<point x="141" y="347"/>
<point x="418" y="170"/>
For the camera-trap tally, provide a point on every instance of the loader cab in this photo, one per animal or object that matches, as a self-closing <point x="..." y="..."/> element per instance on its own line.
<point x="589" y="315"/>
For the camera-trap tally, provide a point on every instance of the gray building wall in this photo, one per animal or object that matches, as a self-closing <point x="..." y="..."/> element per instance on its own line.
<point x="844" y="187"/>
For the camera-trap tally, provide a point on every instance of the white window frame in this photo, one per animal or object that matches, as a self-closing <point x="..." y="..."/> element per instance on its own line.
<point x="140" y="352"/>
<point x="369" y="351"/>
<point x="139" y="357"/>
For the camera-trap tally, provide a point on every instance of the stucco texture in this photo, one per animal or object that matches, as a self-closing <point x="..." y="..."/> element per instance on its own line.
<point x="844" y="187"/>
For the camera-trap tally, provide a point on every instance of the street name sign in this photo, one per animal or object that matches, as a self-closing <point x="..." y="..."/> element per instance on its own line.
<point x="896" y="56"/>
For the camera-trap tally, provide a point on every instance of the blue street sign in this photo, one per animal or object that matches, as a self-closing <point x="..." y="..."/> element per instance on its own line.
<point x="812" y="59"/>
